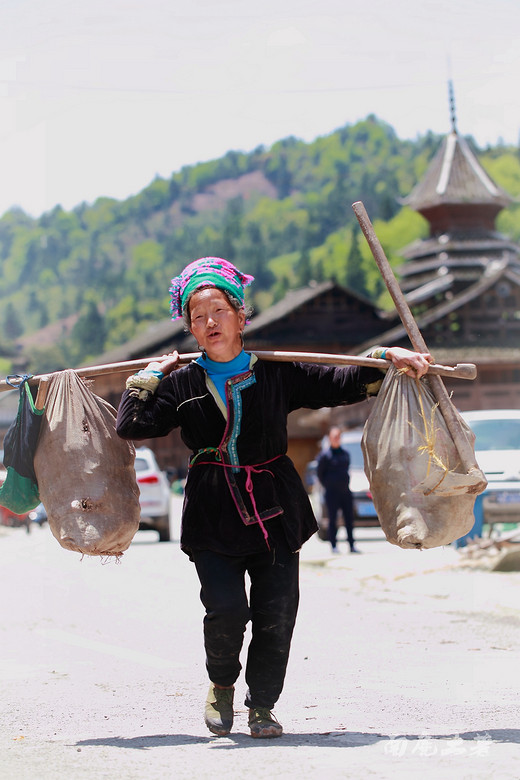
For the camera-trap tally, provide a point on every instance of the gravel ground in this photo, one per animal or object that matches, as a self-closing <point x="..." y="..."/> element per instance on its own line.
<point x="404" y="664"/>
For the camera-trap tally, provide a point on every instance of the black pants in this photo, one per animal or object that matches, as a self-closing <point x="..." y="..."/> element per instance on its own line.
<point x="336" y="500"/>
<point x="272" y="608"/>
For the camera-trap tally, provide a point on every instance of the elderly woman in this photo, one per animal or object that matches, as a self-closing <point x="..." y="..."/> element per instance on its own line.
<point x="245" y="508"/>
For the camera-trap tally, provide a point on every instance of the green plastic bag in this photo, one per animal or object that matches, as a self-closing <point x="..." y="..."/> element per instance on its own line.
<point x="19" y="492"/>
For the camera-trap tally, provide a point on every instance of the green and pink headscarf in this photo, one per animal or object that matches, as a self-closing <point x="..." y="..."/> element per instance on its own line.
<point x="207" y="272"/>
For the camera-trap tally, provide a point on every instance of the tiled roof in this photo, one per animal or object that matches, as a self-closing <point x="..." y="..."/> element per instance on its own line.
<point x="291" y="301"/>
<point x="294" y="299"/>
<point x="434" y="245"/>
<point x="456" y="176"/>
<point x="487" y="280"/>
<point x="450" y="262"/>
<point x="168" y="332"/>
<point x="163" y="332"/>
<point x="433" y="287"/>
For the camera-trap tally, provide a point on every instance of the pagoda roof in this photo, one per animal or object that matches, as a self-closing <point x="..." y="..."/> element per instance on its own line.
<point x="434" y="245"/>
<point x="455" y="176"/>
<point x="433" y="287"/>
<point x="492" y="274"/>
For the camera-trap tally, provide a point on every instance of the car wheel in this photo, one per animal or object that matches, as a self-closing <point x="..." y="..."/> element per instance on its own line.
<point x="163" y="527"/>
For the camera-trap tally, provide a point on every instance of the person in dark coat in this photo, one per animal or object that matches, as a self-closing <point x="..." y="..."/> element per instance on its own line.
<point x="245" y="508"/>
<point x="333" y="473"/>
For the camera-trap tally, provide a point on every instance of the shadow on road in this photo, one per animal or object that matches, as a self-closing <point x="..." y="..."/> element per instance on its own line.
<point x="328" y="739"/>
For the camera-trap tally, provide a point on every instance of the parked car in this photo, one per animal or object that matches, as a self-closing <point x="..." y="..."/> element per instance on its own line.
<point x="365" y="514"/>
<point x="154" y="494"/>
<point x="497" y="449"/>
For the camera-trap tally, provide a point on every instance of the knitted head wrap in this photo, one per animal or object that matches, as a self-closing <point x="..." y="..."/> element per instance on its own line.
<point x="207" y="272"/>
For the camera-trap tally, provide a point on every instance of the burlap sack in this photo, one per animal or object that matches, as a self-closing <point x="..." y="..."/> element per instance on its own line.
<point x="422" y="496"/>
<point x="85" y="472"/>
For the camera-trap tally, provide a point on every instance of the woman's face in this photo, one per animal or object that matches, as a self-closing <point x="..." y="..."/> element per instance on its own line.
<point x="216" y="325"/>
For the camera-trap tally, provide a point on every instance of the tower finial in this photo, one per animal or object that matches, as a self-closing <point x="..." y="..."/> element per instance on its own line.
<point x="452" y="107"/>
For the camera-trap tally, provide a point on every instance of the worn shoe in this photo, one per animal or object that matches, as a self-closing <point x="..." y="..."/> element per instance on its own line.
<point x="263" y="724"/>
<point x="218" y="713"/>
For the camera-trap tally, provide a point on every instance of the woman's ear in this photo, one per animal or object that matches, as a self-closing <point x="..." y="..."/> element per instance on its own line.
<point x="242" y="319"/>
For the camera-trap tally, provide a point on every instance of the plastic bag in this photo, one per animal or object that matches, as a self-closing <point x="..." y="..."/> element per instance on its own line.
<point x="19" y="491"/>
<point x="85" y="472"/>
<point x="422" y="496"/>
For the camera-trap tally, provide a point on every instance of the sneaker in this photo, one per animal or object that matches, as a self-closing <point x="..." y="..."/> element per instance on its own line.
<point x="263" y="724"/>
<point x="218" y="713"/>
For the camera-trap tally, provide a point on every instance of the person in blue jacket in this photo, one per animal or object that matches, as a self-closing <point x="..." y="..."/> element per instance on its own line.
<point x="333" y="473"/>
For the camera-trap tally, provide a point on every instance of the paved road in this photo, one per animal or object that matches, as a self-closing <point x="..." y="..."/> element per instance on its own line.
<point x="404" y="665"/>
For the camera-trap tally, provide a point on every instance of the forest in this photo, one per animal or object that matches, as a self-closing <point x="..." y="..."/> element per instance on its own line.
<point x="74" y="284"/>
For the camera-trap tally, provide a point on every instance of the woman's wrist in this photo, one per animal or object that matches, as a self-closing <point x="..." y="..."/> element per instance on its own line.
<point x="146" y="380"/>
<point x="379" y="353"/>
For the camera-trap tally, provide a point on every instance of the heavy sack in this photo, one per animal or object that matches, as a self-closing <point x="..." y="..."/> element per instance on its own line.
<point x="19" y="491"/>
<point x="85" y="472"/>
<point x="422" y="496"/>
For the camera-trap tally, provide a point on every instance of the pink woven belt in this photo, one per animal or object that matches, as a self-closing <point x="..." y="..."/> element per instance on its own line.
<point x="250" y="470"/>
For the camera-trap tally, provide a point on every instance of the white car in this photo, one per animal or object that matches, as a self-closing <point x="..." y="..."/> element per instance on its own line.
<point x="497" y="449"/>
<point x="154" y="494"/>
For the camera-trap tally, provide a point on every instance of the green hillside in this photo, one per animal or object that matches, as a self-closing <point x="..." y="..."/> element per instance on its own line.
<point x="76" y="283"/>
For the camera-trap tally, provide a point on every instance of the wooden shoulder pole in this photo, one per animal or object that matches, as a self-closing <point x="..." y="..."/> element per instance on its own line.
<point x="460" y="371"/>
<point x="41" y="395"/>
<point x="464" y="448"/>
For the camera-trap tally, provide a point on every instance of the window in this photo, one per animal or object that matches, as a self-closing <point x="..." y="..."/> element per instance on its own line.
<point x="497" y="434"/>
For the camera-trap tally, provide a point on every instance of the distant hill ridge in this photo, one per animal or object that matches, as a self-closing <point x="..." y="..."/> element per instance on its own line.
<point x="74" y="284"/>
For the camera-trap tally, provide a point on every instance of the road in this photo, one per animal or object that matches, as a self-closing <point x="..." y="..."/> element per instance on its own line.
<point x="404" y="664"/>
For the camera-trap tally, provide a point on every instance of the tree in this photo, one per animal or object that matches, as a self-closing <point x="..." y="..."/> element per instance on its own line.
<point x="356" y="278"/>
<point x="304" y="268"/>
<point x="232" y="227"/>
<point x="12" y="324"/>
<point x="256" y="253"/>
<point x="278" y="172"/>
<point x="90" y="332"/>
<point x="146" y="269"/>
<point x="319" y="271"/>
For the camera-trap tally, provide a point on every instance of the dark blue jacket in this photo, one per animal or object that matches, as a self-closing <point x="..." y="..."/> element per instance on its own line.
<point x="333" y="466"/>
<point x="241" y="444"/>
